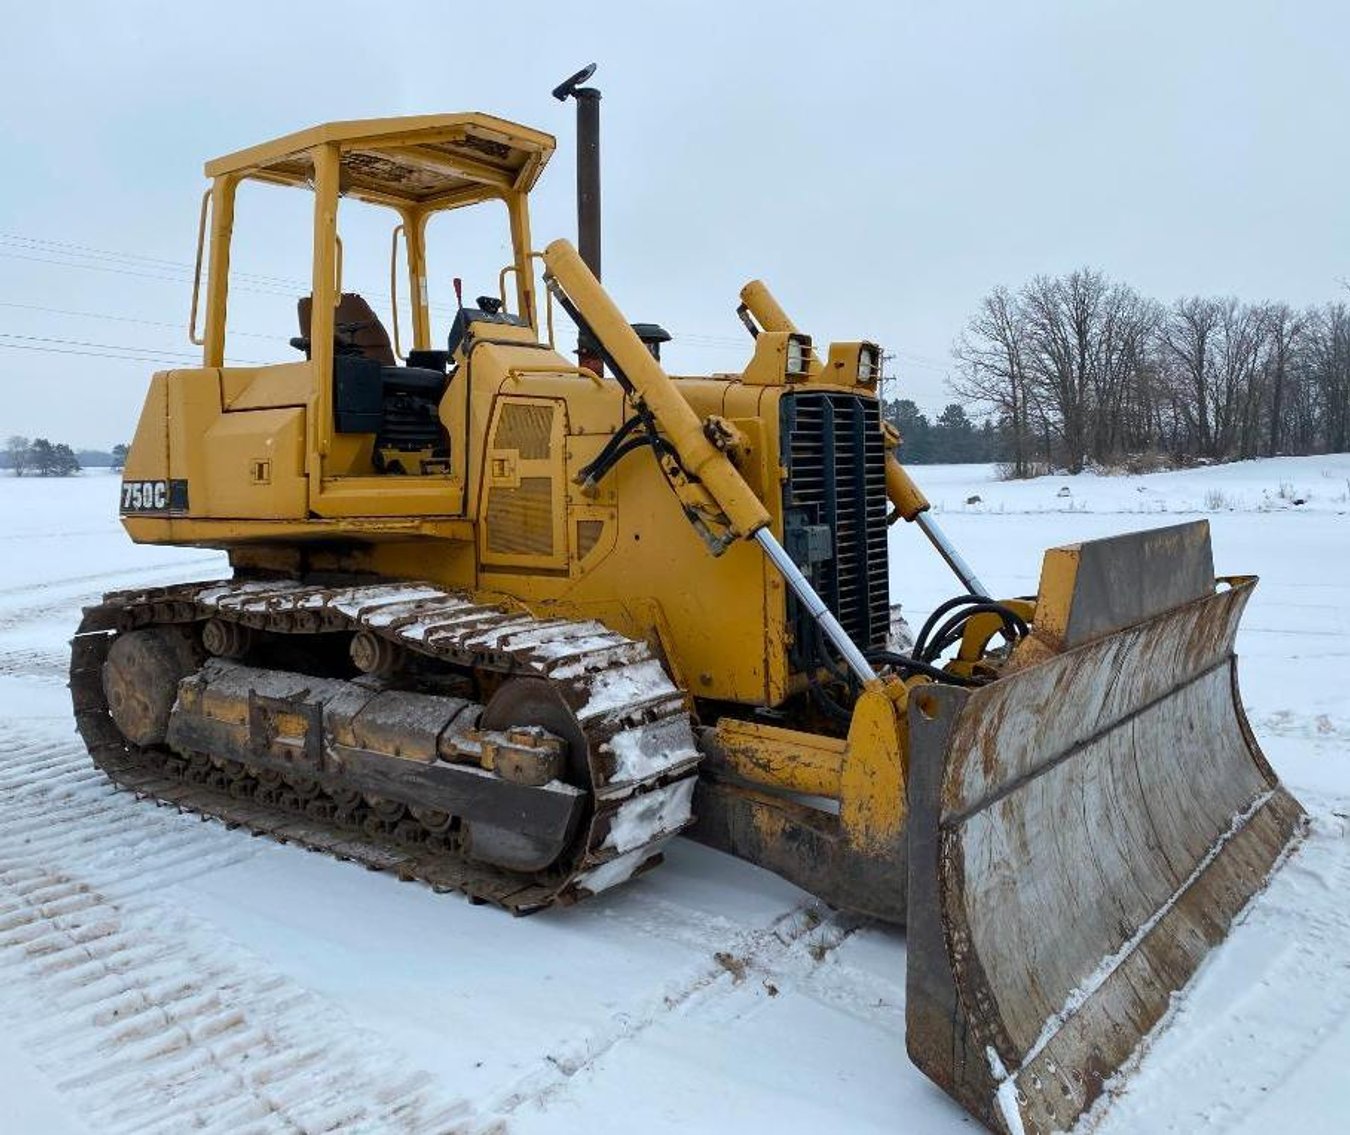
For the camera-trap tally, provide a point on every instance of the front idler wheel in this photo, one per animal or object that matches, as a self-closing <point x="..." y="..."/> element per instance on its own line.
<point x="140" y="681"/>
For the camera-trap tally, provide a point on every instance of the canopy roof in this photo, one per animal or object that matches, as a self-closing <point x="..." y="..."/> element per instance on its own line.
<point x="429" y="160"/>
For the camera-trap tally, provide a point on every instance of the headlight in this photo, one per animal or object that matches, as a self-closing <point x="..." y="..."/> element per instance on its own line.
<point x="798" y="355"/>
<point x="869" y="363"/>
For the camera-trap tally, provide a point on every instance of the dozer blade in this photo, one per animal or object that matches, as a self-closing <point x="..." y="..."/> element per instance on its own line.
<point x="1083" y="832"/>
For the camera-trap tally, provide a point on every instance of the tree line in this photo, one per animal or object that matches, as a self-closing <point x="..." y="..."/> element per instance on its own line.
<point x="1080" y="369"/>
<point x="40" y="457"/>
<point x="950" y="438"/>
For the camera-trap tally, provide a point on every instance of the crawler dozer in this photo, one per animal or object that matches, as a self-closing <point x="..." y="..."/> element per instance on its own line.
<point x="505" y="620"/>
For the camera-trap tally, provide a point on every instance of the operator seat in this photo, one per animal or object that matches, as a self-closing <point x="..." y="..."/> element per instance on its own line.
<point x="369" y="339"/>
<point x="372" y="394"/>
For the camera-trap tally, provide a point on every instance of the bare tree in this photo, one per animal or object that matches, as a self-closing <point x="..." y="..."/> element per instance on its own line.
<point x="1329" y="371"/>
<point x="1089" y="369"/>
<point x="1087" y="343"/>
<point x="1061" y="313"/>
<point x="19" y="451"/>
<point x="1242" y="341"/>
<point x="1189" y="335"/>
<point x="993" y="370"/>
<point x="1284" y="331"/>
<point x="1124" y="327"/>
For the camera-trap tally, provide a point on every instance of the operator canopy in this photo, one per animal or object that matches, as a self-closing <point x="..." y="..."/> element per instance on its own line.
<point x="430" y="161"/>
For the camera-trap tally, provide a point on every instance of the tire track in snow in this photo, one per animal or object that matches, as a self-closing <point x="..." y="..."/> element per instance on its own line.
<point x="141" y="1015"/>
<point x="40" y="665"/>
<point x="130" y="575"/>
<point x="859" y="991"/>
<point x="1283" y="975"/>
<point x="1313" y="727"/>
<point x="60" y="600"/>
<point x="762" y="962"/>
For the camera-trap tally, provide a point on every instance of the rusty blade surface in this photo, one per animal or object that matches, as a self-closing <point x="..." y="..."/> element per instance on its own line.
<point x="1083" y="833"/>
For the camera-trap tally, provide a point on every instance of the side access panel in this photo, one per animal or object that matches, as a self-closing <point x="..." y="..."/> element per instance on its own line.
<point x="523" y="517"/>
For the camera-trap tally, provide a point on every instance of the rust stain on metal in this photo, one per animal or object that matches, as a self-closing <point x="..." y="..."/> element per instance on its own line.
<point x="1083" y="832"/>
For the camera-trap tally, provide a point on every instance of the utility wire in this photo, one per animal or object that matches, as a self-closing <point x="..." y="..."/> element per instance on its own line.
<point x="66" y="254"/>
<point x="127" y="319"/>
<point x="125" y="271"/>
<point x="88" y="354"/>
<point x="130" y="353"/>
<point x="83" y="251"/>
<point x="129" y="263"/>
<point x="64" y="248"/>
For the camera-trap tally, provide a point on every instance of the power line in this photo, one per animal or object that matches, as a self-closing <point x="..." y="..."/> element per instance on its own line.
<point x="126" y="319"/>
<point x="46" y="251"/>
<point x="130" y="353"/>
<point x="88" y="354"/>
<point x="64" y="248"/>
<point x="124" y="271"/>
<point x="129" y="263"/>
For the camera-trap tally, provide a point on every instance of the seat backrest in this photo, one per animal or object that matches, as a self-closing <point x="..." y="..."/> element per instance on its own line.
<point x="371" y="339"/>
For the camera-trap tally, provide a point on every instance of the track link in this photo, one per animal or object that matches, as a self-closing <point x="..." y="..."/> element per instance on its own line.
<point x="641" y="754"/>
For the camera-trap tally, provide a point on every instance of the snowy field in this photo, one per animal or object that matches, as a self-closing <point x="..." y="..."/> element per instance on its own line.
<point x="160" y="974"/>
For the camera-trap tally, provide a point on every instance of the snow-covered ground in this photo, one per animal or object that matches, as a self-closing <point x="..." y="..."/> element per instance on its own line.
<point x="162" y="974"/>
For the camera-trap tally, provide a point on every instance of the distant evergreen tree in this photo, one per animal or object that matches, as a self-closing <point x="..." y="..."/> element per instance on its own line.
<point x="954" y="436"/>
<point x="67" y="463"/>
<point x="48" y="460"/>
<point x="119" y="455"/>
<point x="40" y="458"/>
<point x="992" y="444"/>
<point x="916" y="443"/>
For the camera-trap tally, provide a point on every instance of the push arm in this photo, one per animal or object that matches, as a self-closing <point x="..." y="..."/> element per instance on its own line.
<point x="716" y="499"/>
<point x="714" y="494"/>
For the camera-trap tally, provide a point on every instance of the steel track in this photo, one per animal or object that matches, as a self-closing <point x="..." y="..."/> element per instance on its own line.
<point x="621" y="697"/>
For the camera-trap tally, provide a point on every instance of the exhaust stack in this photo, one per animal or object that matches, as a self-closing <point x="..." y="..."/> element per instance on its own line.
<point x="588" y="186"/>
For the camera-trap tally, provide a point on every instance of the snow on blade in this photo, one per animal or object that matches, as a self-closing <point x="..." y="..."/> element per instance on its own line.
<point x="1006" y="1096"/>
<point x="1112" y="962"/>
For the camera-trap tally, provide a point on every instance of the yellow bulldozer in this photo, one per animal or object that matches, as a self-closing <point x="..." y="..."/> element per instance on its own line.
<point x="506" y="620"/>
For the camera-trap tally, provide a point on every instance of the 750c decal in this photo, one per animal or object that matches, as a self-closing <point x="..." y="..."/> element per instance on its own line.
<point x="154" y="496"/>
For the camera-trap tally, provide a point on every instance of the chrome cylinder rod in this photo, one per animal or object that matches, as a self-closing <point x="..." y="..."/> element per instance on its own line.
<point x="949" y="553"/>
<point x="815" y="605"/>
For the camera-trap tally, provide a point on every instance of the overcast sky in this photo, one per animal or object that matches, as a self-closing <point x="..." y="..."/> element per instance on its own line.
<point x="880" y="165"/>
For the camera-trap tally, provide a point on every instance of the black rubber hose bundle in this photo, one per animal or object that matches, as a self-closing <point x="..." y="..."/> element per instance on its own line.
<point x="950" y="632"/>
<point x="965" y="608"/>
<point x="909" y="665"/>
<point x="939" y="611"/>
<point x="935" y="637"/>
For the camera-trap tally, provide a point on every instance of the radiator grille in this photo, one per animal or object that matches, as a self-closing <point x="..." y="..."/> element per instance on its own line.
<point x="526" y="427"/>
<point x="520" y="520"/>
<point x="833" y="449"/>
